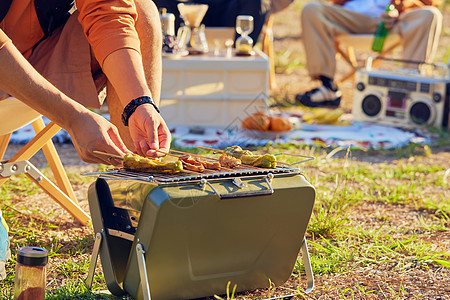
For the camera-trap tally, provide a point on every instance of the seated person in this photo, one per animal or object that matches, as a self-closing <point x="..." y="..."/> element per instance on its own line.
<point x="418" y="25"/>
<point x="223" y="13"/>
<point x="55" y="59"/>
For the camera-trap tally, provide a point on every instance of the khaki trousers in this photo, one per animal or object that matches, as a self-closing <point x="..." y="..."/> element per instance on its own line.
<point x="419" y="29"/>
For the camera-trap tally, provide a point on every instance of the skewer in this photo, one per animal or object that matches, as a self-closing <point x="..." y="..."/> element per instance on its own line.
<point x="202" y="156"/>
<point x="192" y="154"/>
<point x="215" y="150"/>
<point x="109" y="154"/>
<point x="166" y="153"/>
<point x="121" y="158"/>
<point x="175" y="155"/>
<point x="278" y="162"/>
<point x="223" y="152"/>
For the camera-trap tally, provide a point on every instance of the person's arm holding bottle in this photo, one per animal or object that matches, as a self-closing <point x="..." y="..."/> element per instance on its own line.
<point x="390" y="17"/>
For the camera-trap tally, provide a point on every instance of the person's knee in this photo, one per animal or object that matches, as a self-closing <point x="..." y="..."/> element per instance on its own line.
<point x="312" y="9"/>
<point x="431" y="15"/>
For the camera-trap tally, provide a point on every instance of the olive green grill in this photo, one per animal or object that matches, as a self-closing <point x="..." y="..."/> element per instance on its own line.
<point x="187" y="236"/>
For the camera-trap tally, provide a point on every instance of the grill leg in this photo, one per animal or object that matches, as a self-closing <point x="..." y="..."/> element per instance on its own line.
<point x="93" y="263"/>
<point x="308" y="268"/>
<point x="143" y="271"/>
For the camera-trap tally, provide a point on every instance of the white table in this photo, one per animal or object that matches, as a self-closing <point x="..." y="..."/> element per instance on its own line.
<point x="213" y="91"/>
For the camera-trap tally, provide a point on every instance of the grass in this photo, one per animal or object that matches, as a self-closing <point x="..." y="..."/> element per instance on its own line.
<point x="366" y="216"/>
<point x="378" y="229"/>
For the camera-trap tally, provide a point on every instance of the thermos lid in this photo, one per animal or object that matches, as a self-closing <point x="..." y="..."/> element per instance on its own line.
<point x="32" y="256"/>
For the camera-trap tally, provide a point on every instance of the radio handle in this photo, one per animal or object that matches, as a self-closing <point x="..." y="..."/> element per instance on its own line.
<point x="444" y="67"/>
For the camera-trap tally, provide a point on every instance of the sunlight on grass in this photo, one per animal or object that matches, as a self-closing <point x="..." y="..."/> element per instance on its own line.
<point x="288" y="61"/>
<point x="339" y="241"/>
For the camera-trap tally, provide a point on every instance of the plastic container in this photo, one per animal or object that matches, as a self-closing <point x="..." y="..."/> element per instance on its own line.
<point x="214" y="91"/>
<point x="30" y="280"/>
<point x="381" y="33"/>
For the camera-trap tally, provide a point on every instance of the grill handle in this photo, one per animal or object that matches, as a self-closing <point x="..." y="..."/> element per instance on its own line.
<point x="269" y="191"/>
<point x="247" y="194"/>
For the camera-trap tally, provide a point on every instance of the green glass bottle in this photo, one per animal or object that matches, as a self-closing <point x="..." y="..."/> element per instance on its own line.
<point x="381" y="33"/>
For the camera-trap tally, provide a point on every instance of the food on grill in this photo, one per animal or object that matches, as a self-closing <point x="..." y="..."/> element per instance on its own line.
<point x="237" y="151"/>
<point x="189" y="163"/>
<point x="136" y="162"/>
<point x="229" y="161"/>
<point x="198" y="165"/>
<point x="248" y="158"/>
<point x="211" y="165"/>
<point x="263" y="161"/>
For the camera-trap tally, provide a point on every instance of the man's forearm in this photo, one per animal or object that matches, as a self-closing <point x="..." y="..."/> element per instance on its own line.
<point x="125" y="71"/>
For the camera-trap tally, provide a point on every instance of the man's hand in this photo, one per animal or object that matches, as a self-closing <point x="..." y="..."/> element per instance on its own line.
<point x="89" y="132"/>
<point x="149" y="131"/>
<point x="390" y="18"/>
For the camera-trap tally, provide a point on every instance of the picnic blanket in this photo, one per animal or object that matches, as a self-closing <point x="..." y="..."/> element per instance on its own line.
<point x="357" y="135"/>
<point x="26" y="133"/>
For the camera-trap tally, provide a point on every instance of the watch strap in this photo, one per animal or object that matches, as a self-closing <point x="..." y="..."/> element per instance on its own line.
<point x="135" y="103"/>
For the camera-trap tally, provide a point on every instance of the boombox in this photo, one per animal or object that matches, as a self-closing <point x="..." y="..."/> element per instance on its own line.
<point x="403" y="97"/>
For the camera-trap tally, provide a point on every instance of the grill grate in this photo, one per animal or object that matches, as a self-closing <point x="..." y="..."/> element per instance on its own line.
<point x="190" y="176"/>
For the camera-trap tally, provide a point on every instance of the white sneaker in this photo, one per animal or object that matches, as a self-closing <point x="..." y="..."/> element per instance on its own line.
<point x="321" y="96"/>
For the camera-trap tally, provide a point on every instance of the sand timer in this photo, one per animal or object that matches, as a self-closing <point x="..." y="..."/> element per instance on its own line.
<point x="244" y="43"/>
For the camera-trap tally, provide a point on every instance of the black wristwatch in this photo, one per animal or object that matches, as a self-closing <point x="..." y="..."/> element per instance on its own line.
<point x="135" y="103"/>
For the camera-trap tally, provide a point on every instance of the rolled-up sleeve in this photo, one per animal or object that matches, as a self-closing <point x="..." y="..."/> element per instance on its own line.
<point x="109" y="25"/>
<point x="4" y="39"/>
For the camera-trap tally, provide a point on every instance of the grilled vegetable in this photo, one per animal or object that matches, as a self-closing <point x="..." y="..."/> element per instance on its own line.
<point x="248" y="158"/>
<point x="263" y="161"/>
<point x="136" y="162"/>
<point x="237" y="151"/>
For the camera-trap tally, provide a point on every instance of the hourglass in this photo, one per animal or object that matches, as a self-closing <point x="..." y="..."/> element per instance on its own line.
<point x="244" y="26"/>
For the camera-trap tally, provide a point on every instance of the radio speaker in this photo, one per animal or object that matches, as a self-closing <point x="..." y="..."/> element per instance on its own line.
<point x="401" y="99"/>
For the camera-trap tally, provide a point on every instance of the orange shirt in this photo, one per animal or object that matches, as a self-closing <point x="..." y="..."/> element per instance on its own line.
<point x="108" y="25"/>
<point x="3" y="39"/>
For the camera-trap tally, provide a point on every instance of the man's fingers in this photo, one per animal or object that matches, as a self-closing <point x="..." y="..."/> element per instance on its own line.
<point x="164" y="141"/>
<point x="117" y="141"/>
<point x="144" y="146"/>
<point x="153" y="142"/>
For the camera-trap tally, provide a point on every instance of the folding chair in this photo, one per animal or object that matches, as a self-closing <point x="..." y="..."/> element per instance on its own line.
<point x="347" y="44"/>
<point x="267" y="48"/>
<point x="15" y="115"/>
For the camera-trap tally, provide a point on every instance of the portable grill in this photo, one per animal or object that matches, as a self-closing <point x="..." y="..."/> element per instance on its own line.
<point x="188" y="235"/>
